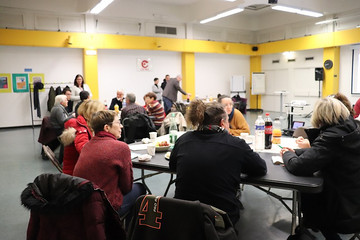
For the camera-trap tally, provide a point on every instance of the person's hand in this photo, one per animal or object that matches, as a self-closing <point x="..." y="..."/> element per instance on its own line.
<point x="285" y="149"/>
<point x="302" y="142"/>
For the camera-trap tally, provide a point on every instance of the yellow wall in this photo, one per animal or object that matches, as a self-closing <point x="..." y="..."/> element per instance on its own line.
<point x="255" y="66"/>
<point x="331" y="79"/>
<point x="91" y="73"/>
<point x="188" y="73"/>
<point x="329" y="41"/>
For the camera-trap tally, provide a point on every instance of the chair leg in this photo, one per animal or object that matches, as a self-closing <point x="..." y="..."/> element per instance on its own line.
<point x="355" y="236"/>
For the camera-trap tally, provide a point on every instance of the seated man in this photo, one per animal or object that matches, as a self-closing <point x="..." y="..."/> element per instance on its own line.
<point x="107" y="163"/>
<point x="131" y="107"/>
<point x="84" y="95"/>
<point x="117" y="100"/>
<point x="67" y="92"/>
<point x="154" y="109"/>
<point x="58" y="117"/>
<point x="237" y="121"/>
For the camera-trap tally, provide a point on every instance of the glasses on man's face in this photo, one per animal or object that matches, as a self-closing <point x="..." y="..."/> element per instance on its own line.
<point x="114" y="122"/>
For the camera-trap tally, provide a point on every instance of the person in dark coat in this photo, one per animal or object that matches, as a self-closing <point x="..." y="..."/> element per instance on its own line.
<point x="66" y="207"/>
<point x="117" y="100"/>
<point x="335" y="153"/>
<point x="209" y="161"/>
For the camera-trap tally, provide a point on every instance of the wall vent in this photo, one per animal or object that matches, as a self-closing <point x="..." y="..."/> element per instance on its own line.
<point x="165" y="30"/>
<point x="309" y="58"/>
<point x="291" y="60"/>
<point x="275" y="61"/>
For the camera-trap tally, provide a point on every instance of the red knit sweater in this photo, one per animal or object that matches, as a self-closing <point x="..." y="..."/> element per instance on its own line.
<point x="106" y="162"/>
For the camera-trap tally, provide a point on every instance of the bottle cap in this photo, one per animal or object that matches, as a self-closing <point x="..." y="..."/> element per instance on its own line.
<point x="267" y="114"/>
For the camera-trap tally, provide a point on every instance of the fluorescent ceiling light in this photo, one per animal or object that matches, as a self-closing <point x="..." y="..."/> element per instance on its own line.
<point x="222" y="15"/>
<point x="326" y="21"/>
<point x="91" y="52"/>
<point x="100" y="6"/>
<point x="297" y="11"/>
<point x="230" y="0"/>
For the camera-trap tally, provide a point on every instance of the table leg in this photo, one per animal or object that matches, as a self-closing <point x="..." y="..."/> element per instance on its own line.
<point x="143" y="181"/>
<point x="171" y="181"/>
<point x="294" y="212"/>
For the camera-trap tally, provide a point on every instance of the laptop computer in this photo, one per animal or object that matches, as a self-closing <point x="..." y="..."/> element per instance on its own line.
<point x="295" y="125"/>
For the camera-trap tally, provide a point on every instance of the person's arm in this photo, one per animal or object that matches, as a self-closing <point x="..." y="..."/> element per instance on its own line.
<point x="112" y="105"/>
<point x="125" y="169"/>
<point x="177" y="86"/>
<point x="173" y="156"/>
<point x="238" y="125"/>
<point x="81" y="137"/>
<point x="75" y="96"/>
<point x="253" y="165"/>
<point x="155" y="89"/>
<point x="309" y="161"/>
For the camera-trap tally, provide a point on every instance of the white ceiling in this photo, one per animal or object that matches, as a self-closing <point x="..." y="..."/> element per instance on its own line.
<point x="192" y="11"/>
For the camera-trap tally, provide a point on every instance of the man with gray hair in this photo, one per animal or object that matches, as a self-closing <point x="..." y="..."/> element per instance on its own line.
<point x="131" y="107"/>
<point x="170" y="92"/>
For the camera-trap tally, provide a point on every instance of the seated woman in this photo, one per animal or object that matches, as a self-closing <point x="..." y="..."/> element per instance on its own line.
<point x="154" y="109"/>
<point x="77" y="132"/>
<point x="237" y="121"/>
<point x="106" y="162"/>
<point x="336" y="154"/>
<point x="208" y="161"/>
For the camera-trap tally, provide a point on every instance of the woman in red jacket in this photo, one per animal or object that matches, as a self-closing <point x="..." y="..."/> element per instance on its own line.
<point x="77" y="132"/>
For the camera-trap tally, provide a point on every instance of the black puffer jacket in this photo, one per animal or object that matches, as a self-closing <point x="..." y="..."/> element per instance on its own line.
<point x="336" y="153"/>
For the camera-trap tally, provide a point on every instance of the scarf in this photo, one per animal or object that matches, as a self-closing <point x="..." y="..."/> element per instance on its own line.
<point x="231" y="115"/>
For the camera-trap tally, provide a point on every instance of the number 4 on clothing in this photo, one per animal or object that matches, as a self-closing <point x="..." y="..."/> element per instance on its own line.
<point x="149" y="214"/>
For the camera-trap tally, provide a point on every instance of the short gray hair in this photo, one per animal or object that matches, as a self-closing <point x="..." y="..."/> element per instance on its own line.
<point x="131" y="97"/>
<point x="60" y="98"/>
<point x="328" y="112"/>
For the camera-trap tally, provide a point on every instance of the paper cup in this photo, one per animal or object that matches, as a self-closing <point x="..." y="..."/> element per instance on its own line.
<point x="153" y="136"/>
<point x="151" y="150"/>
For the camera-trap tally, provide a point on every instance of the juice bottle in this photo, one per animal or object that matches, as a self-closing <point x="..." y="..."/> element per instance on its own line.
<point x="276" y="132"/>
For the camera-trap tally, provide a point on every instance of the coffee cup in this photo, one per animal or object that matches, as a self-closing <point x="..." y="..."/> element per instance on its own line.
<point x="151" y="149"/>
<point x="153" y="136"/>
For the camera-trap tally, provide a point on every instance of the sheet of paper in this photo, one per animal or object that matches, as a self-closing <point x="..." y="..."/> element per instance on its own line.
<point x="277" y="160"/>
<point x="137" y="147"/>
<point x="134" y="155"/>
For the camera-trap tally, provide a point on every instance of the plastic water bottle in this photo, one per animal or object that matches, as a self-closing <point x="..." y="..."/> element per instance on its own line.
<point x="268" y="131"/>
<point x="276" y="131"/>
<point x="259" y="133"/>
<point x="173" y="130"/>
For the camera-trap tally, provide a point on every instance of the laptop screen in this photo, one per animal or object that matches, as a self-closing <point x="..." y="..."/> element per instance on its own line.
<point x="297" y="124"/>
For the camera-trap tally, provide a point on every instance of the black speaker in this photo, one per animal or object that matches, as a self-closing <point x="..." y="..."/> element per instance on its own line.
<point x="255" y="48"/>
<point x="319" y="74"/>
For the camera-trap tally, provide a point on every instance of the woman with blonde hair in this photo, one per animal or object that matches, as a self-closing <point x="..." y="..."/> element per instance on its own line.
<point x="336" y="154"/>
<point x="78" y="132"/>
<point x="209" y="161"/>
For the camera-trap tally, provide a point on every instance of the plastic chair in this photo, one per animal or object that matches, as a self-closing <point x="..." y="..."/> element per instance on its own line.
<point x="51" y="155"/>
<point x="157" y="217"/>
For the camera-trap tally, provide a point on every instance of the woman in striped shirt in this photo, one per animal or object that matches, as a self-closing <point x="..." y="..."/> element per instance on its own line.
<point x="154" y="109"/>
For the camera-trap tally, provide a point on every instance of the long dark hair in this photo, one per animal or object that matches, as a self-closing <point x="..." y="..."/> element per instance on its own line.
<point x="82" y="83"/>
<point x="201" y="114"/>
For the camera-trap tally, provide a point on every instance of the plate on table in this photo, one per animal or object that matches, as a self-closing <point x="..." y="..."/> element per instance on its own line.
<point x="162" y="148"/>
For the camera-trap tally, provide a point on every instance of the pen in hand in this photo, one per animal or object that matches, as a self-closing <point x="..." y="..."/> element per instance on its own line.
<point x="280" y="147"/>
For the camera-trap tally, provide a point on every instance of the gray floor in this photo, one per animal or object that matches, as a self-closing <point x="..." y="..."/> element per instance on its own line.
<point x="263" y="218"/>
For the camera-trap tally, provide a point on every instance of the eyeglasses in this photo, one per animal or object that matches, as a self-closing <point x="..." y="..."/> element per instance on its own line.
<point x="114" y="122"/>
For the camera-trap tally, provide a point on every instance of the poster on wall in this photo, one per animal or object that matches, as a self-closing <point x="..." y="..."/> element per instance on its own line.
<point x="37" y="77"/>
<point x="5" y="83"/>
<point x="143" y="64"/>
<point x="20" y="82"/>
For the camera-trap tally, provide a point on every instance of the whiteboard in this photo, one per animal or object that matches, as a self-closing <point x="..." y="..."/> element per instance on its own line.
<point x="258" y="83"/>
<point x="237" y="84"/>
